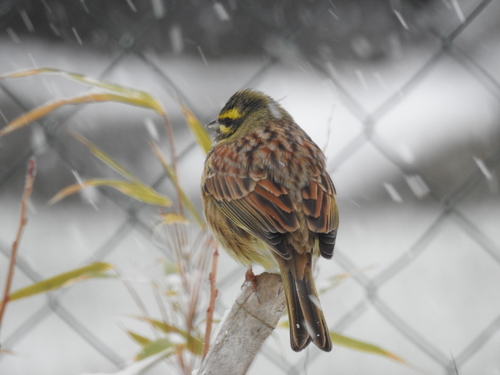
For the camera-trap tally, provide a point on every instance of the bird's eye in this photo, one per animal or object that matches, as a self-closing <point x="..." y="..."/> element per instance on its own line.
<point x="227" y="121"/>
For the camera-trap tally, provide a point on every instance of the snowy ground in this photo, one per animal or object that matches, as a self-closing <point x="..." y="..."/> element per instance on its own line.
<point x="441" y="133"/>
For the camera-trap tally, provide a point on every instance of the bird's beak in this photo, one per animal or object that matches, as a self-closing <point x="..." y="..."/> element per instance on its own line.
<point x="213" y="125"/>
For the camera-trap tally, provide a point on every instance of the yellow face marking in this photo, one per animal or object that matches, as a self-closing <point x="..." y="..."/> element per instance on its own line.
<point x="233" y="113"/>
<point x="225" y="129"/>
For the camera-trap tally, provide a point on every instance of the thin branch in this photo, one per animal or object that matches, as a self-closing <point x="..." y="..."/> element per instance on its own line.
<point x="211" y="305"/>
<point x="28" y="187"/>
<point x="251" y="320"/>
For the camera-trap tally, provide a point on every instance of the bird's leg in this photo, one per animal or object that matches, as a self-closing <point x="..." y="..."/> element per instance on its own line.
<point x="251" y="278"/>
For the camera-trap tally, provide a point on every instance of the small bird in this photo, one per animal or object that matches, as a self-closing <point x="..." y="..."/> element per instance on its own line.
<point x="268" y="200"/>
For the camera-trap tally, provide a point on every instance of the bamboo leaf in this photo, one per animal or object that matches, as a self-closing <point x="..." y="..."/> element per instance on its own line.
<point x="135" y="190"/>
<point x="94" y="270"/>
<point x="105" y="158"/>
<point x="141" y="96"/>
<point x="198" y="130"/>
<point x="165" y="327"/>
<point x="141" y="340"/>
<point x="174" y="218"/>
<point x="43" y="110"/>
<point x="350" y="343"/>
<point x="154" y="347"/>
<point x="193" y="344"/>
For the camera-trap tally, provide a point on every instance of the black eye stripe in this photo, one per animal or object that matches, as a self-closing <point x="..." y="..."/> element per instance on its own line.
<point x="227" y="121"/>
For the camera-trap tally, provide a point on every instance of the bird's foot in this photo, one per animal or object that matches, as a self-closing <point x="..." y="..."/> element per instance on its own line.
<point x="251" y="279"/>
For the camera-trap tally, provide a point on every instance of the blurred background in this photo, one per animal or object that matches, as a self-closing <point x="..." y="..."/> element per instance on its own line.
<point x="404" y="97"/>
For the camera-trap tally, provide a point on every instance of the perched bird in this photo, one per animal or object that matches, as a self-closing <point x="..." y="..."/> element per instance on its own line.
<point x="269" y="200"/>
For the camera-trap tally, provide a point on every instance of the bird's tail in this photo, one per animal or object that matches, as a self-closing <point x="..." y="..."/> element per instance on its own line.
<point x="307" y="322"/>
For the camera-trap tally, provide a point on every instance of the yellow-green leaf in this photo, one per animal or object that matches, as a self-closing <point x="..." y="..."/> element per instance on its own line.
<point x="165" y="327"/>
<point x="198" y="130"/>
<point x="94" y="270"/>
<point x="39" y="112"/>
<point x="193" y="344"/>
<point x="141" y="340"/>
<point x="100" y="154"/>
<point x="350" y="343"/>
<point x="143" y="97"/>
<point x="154" y="347"/>
<point x="135" y="190"/>
<point x="174" y="218"/>
<point x="169" y="268"/>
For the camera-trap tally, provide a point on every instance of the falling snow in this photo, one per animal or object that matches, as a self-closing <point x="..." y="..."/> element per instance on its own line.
<point x="158" y="8"/>
<point x="483" y="168"/>
<point x="38" y="140"/>
<point x="151" y="128"/>
<point x="393" y="192"/>
<point x="176" y="39"/>
<point x="13" y="35"/>
<point x="401" y="19"/>
<point x="315" y="301"/>
<point x="75" y="33"/>
<point x="417" y="185"/>
<point x="200" y="51"/>
<point x="458" y="10"/>
<point x="131" y="5"/>
<point x="221" y="12"/>
<point x="3" y="116"/>
<point x="27" y="21"/>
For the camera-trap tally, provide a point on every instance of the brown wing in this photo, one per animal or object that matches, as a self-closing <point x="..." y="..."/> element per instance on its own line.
<point x="261" y="207"/>
<point x="321" y="210"/>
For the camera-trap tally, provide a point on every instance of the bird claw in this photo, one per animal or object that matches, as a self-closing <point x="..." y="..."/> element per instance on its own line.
<point x="251" y="279"/>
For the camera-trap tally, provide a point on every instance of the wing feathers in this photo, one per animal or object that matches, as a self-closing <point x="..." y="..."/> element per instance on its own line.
<point x="265" y="208"/>
<point x="321" y="210"/>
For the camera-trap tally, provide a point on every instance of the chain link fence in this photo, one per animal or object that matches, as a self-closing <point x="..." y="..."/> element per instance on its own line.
<point x="410" y="91"/>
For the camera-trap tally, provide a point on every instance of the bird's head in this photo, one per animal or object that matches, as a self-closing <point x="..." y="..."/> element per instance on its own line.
<point x="245" y="110"/>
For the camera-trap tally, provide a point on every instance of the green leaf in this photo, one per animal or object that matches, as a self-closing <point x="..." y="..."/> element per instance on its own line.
<point x="198" y="130"/>
<point x="165" y="327"/>
<point x="173" y="218"/>
<point x="350" y="343"/>
<point x="45" y="109"/>
<point x="100" y="154"/>
<point x="141" y="340"/>
<point x="135" y="190"/>
<point x="154" y="347"/>
<point x="133" y="95"/>
<point x="94" y="270"/>
<point x="193" y="344"/>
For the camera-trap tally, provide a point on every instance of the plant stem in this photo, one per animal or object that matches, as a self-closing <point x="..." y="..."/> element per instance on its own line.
<point x="28" y="187"/>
